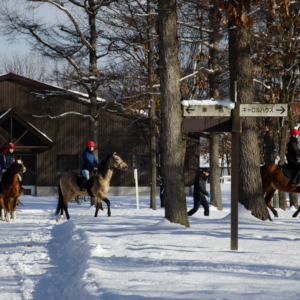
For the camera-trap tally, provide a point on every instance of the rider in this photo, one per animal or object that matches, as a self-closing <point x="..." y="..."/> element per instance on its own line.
<point x="293" y="155"/>
<point x="7" y="160"/>
<point x="89" y="162"/>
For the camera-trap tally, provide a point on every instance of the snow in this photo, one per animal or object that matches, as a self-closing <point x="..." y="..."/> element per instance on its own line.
<point x="226" y="103"/>
<point x="138" y="254"/>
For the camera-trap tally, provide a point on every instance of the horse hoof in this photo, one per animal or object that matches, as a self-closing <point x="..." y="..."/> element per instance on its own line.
<point x="294" y="215"/>
<point x="59" y="219"/>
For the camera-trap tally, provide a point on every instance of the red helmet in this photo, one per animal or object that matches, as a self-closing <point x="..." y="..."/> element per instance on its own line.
<point x="90" y="144"/>
<point x="294" y="131"/>
<point x="10" y="146"/>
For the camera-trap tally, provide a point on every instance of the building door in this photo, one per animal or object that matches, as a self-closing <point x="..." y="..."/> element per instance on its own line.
<point x="29" y="177"/>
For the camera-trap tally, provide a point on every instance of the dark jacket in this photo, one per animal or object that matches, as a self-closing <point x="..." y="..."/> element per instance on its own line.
<point x="7" y="160"/>
<point x="200" y="186"/>
<point x="293" y="152"/>
<point x="89" y="161"/>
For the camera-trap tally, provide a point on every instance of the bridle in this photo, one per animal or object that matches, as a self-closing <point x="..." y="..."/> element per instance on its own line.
<point x="118" y="164"/>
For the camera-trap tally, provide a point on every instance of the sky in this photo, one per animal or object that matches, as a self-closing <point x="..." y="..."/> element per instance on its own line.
<point x="139" y="255"/>
<point x="49" y="14"/>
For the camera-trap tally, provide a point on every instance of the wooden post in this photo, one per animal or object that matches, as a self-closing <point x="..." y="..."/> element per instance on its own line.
<point x="234" y="190"/>
<point x="236" y="129"/>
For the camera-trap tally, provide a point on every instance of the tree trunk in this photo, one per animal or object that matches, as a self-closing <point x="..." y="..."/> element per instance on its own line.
<point x="175" y="210"/>
<point x="215" y="185"/>
<point x="151" y="111"/>
<point x="250" y="185"/>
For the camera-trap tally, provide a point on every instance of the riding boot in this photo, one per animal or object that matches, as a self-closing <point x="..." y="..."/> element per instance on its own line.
<point x="82" y="185"/>
<point x="294" y="180"/>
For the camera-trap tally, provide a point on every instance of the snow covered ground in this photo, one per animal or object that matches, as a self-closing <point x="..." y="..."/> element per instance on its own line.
<point x="137" y="254"/>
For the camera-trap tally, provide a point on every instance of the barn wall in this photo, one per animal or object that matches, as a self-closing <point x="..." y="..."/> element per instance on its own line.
<point x="70" y="133"/>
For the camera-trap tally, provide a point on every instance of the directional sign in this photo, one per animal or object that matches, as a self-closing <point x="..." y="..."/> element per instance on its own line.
<point x="206" y="111"/>
<point x="263" y="110"/>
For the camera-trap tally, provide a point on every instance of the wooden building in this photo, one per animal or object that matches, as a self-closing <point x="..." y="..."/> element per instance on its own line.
<point x="50" y="147"/>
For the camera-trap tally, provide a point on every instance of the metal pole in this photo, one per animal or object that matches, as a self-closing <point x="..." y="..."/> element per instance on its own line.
<point x="136" y="188"/>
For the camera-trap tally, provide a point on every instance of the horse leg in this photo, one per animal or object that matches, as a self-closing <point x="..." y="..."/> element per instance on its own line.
<point x="296" y="213"/>
<point x="270" y="193"/>
<point x="14" y="208"/>
<point x="108" y="206"/>
<point x="8" y="208"/>
<point x="2" y="208"/>
<point x="98" y="205"/>
<point x="63" y="200"/>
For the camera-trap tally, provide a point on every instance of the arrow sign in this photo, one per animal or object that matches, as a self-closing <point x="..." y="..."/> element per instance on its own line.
<point x="206" y="111"/>
<point x="189" y="109"/>
<point x="263" y="110"/>
<point x="282" y="110"/>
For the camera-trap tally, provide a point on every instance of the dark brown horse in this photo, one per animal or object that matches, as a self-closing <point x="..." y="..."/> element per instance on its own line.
<point x="11" y="190"/>
<point x="272" y="180"/>
<point x="68" y="189"/>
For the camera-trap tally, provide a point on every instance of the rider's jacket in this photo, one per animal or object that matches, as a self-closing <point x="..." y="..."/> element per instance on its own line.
<point x="89" y="161"/>
<point x="7" y="160"/>
<point x="293" y="152"/>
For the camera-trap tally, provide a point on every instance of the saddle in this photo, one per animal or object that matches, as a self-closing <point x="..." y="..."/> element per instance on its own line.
<point x="288" y="173"/>
<point x="89" y="184"/>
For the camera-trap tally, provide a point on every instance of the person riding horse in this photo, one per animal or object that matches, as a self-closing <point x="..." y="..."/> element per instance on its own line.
<point x="293" y="155"/>
<point x="89" y="162"/>
<point x="7" y="160"/>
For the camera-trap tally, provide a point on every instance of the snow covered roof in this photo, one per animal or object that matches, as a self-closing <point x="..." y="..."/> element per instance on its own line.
<point x="226" y="103"/>
<point x="45" y="86"/>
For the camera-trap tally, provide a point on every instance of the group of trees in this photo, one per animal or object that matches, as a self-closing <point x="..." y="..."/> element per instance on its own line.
<point x="150" y="55"/>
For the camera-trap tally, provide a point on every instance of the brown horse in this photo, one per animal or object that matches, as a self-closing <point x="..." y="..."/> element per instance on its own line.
<point x="68" y="189"/>
<point x="272" y="180"/>
<point x="11" y="190"/>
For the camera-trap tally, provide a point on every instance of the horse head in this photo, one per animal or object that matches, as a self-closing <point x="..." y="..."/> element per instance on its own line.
<point x="17" y="166"/>
<point x="118" y="163"/>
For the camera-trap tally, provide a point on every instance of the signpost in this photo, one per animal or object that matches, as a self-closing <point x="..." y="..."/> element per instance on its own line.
<point x="206" y="111"/>
<point x="217" y="118"/>
<point x="263" y="110"/>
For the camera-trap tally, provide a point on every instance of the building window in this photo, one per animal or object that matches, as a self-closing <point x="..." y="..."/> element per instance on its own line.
<point x="141" y="162"/>
<point x="66" y="163"/>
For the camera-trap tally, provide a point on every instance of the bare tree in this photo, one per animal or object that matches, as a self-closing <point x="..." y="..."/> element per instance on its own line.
<point x="31" y="66"/>
<point x="76" y="39"/>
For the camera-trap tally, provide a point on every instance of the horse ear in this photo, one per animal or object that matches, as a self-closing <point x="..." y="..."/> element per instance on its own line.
<point x="114" y="154"/>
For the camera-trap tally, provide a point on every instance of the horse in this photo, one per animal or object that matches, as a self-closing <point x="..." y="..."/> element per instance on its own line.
<point x="68" y="189"/>
<point x="272" y="180"/>
<point x="11" y="190"/>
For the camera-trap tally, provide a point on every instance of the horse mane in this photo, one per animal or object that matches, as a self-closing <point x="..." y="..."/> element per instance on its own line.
<point x="104" y="161"/>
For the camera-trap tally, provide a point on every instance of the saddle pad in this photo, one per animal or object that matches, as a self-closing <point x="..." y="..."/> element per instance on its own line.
<point x="287" y="173"/>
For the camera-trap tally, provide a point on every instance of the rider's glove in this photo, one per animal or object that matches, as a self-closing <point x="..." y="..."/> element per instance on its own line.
<point x="208" y="195"/>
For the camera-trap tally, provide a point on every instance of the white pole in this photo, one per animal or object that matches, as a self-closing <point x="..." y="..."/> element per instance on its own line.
<point x="136" y="188"/>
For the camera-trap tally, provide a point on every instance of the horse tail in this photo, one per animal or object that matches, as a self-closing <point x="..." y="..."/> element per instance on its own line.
<point x="60" y="203"/>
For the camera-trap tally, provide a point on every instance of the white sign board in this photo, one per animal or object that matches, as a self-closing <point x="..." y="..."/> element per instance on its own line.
<point x="263" y="110"/>
<point x="206" y="111"/>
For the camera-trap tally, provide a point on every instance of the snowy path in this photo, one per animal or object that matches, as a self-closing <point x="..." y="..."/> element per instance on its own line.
<point x="138" y="255"/>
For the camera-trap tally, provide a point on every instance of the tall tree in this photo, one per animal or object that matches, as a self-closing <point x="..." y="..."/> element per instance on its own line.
<point x="175" y="210"/>
<point x="215" y="187"/>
